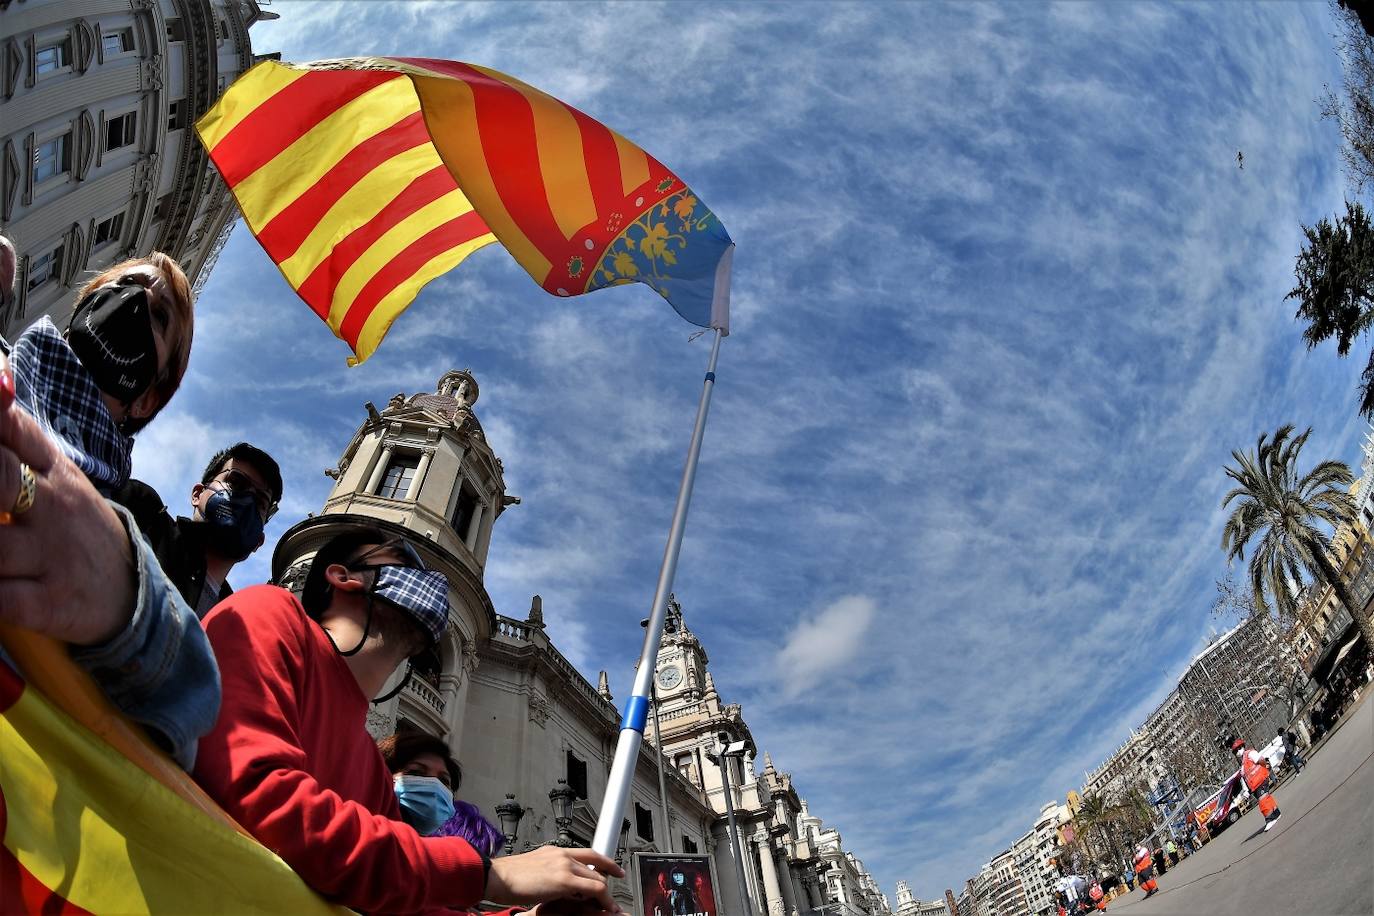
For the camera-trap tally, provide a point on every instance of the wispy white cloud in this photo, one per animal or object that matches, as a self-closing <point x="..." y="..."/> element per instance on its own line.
<point x="819" y="646"/>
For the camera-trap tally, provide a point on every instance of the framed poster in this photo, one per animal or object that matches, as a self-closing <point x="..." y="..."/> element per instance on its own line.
<point x="680" y="884"/>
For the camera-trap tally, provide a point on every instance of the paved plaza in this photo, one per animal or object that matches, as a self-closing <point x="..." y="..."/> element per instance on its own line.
<point x="1317" y="861"/>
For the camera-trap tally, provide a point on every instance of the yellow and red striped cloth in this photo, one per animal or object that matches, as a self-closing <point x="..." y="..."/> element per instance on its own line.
<point x="93" y="819"/>
<point x="365" y="179"/>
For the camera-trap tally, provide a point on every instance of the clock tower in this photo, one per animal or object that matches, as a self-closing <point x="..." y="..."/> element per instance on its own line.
<point x="680" y="674"/>
<point x="696" y="726"/>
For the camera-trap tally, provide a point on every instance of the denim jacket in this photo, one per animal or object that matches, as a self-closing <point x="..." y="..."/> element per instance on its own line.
<point x="160" y="670"/>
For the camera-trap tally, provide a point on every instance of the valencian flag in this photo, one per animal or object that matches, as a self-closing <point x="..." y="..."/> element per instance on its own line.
<point x="95" y="820"/>
<point x="366" y="178"/>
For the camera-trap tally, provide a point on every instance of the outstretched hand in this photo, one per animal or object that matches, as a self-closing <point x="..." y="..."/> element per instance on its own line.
<point x="66" y="564"/>
<point x="557" y="878"/>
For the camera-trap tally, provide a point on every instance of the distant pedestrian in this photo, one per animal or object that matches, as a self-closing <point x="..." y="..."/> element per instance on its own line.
<point x="1255" y="771"/>
<point x="1290" y="750"/>
<point x="1160" y="860"/>
<point x="1098" y="897"/>
<point x="1145" y="871"/>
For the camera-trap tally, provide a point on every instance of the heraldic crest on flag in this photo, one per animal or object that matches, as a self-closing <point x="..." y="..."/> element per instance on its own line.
<point x="364" y="179"/>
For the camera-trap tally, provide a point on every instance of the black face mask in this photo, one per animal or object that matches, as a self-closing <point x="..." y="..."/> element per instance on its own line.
<point x="235" y="527"/>
<point x="112" y="334"/>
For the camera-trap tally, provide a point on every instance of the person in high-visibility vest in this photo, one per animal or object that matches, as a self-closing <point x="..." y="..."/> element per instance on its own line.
<point x="1145" y="870"/>
<point x="1254" y="769"/>
<point x="1098" y="897"/>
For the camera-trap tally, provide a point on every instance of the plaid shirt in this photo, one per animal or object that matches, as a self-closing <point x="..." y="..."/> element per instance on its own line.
<point x="52" y="385"/>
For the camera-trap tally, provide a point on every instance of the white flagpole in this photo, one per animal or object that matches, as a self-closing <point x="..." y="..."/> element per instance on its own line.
<point x="637" y="707"/>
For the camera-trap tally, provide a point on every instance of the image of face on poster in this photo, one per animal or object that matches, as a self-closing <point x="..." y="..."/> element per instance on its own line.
<point x="676" y="885"/>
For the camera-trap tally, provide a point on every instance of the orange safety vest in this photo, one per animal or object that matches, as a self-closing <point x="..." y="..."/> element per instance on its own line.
<point x="1253" y="772"/>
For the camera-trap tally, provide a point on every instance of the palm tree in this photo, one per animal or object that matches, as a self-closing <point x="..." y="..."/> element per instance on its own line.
<point x="1335" y="291"/>
<point x="1282" y="512"/>
<point x="1095" y="815"/>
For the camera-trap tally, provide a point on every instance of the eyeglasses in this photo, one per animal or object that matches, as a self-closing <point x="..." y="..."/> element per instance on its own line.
<point x="399" y="545"/>
<point x="238" y="482"/>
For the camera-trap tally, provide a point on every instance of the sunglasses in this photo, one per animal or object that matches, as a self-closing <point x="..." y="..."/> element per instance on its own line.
<point x="397" y="544"/>
<point x="238" y="482"/>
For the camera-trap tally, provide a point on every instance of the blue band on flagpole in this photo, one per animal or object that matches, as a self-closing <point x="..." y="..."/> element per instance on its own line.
<point x="636" y="714"/>
<point x="710" y="376"/>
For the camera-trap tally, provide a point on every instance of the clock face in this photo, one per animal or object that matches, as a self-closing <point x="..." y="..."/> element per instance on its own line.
<point x="670" y="677"/>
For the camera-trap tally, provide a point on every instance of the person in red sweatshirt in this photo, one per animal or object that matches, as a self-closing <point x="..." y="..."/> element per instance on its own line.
<point x="291" y="760"/>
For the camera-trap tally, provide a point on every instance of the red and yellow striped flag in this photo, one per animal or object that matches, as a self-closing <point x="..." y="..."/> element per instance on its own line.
<point x="364" y="179"/>
<point x="93" y="819"/>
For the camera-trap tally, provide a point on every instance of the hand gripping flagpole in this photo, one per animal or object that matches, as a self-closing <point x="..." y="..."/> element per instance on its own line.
<point x="637" y="707"/>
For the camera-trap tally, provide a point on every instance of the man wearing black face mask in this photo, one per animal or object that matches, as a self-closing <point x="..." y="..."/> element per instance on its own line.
<point x="236" y="496"/>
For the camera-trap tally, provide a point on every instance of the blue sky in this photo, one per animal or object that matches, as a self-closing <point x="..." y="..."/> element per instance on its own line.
<point x="1003" y="304"/>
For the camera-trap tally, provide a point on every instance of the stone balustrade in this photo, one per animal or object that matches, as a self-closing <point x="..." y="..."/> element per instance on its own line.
<point x="426" y="694"/>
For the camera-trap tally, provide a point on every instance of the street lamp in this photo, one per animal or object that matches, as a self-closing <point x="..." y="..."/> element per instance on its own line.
<point x="509" y="813"/>
<point x="561" y="796"/>
<point x="624" y="838"/>
<point x="669" y="627"/>
<point x="722" y="759"/>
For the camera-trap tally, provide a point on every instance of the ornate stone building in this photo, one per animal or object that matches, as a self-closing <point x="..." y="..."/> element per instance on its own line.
<point x="909" y="905"/>
<point x="525" y="725"/>
<point x="695" y="724"/>
<point x="98" y="156"/>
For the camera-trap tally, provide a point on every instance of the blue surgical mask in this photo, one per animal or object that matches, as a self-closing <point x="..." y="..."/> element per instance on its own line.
<point x="426" y="803"/>
<point x="235" y="523"/>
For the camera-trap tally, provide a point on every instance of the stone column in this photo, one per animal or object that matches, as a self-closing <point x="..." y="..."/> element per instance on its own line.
<point x="475" y="528"/>
<point x="814" y="897"/>
<point x="752" y="875"/>
<point x="773" y="904"/>
<point x="420" y="471"/>
<point x="484" y="531"/>
<point x="789" y="891"/>
<point x="379" y="469"/>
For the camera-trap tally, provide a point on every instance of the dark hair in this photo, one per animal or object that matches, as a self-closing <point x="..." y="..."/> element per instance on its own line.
<point x="262" y="462"/>
<point x="315" y="594"/>
<point x="401" y="748"/>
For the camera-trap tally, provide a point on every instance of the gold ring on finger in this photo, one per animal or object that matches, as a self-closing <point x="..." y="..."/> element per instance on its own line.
<point x="28" y="489"/>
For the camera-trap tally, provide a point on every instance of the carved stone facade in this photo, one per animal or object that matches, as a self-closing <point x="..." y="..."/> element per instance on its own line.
<point x="98" y="155"/>
<point x="792" y="863"/>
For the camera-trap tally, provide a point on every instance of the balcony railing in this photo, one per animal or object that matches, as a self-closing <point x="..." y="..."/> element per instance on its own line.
<point x="512" y="629"/>
<point x="426" y="694"/>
